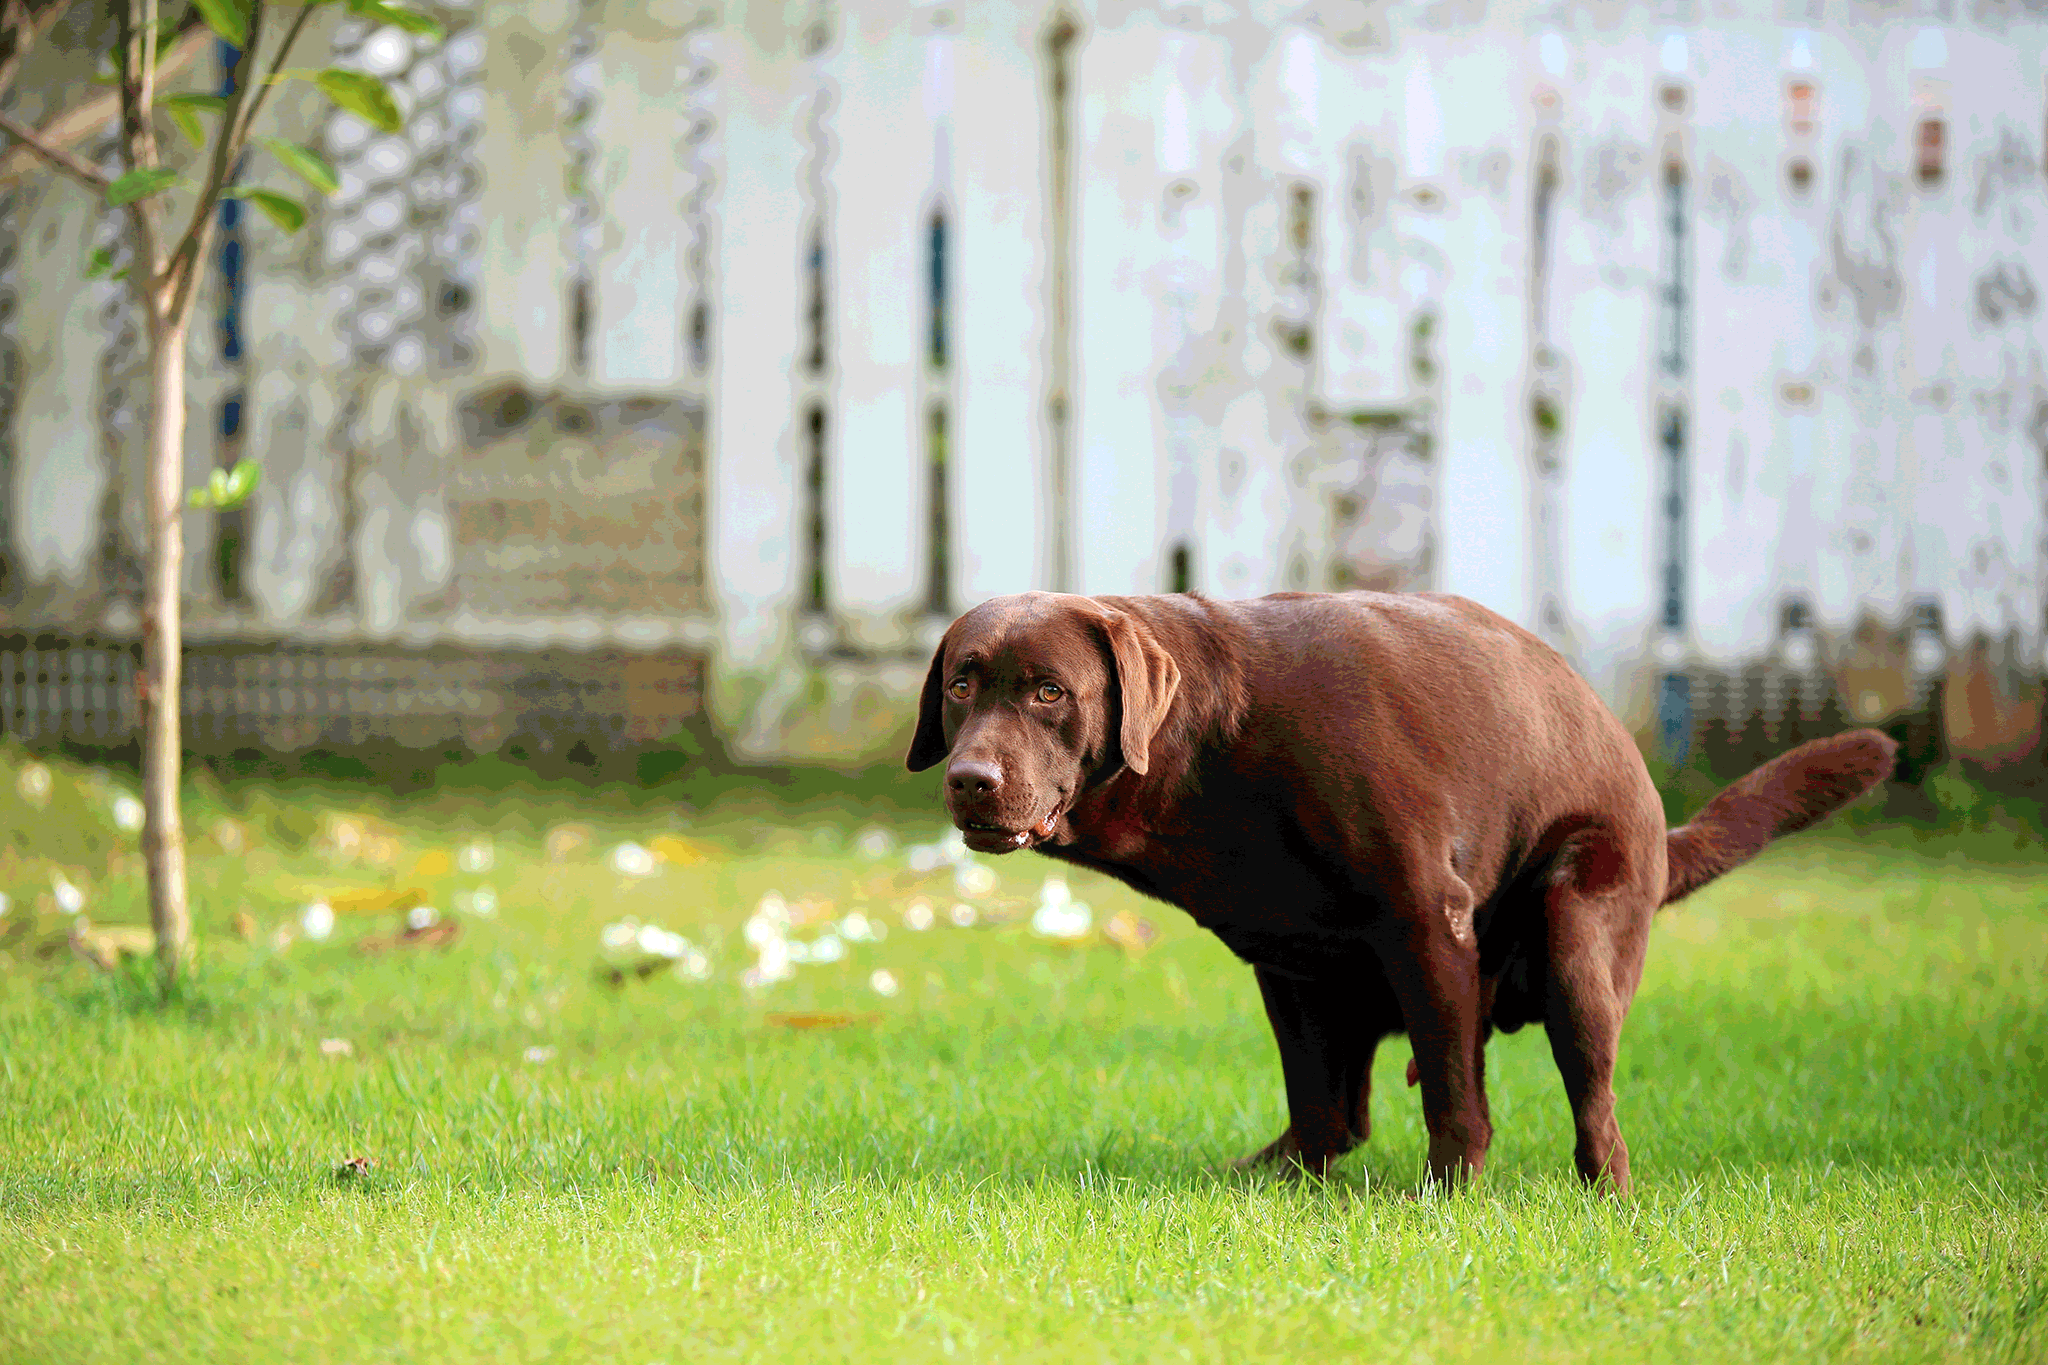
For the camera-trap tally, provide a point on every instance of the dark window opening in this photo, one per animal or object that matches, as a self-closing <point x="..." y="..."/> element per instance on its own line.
<point x="939" y="530"/>
<point x="1062" y="38"/>
<point x="1180" y="568"/>
<point x="1794" y="613"/>
<point x="1672" y="327"/>
<point x="1799" y="175"/>
<point x="1548" y="175"/>
<point x="1674" y="717"/>
<point x="814" y="304"/>
<point x="1929" y="143"/>
<point x="230" y="528"/>
<point x="581" y="318"/>
<point x="1671" y="440"/>
<point x="935" y="241"/>
<point x="700" y="337"/>
<point x="814" y="521"/>
<point x="1800" y="105"/>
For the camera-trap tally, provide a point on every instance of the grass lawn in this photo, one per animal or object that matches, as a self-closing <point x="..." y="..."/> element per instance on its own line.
<point x="1833" y="1088"/>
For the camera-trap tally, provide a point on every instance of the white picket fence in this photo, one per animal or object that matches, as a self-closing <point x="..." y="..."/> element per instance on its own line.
<point x="1691" y="336"/>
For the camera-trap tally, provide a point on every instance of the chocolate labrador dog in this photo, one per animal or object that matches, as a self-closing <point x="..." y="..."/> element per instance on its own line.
<point x="1406" y="812"/>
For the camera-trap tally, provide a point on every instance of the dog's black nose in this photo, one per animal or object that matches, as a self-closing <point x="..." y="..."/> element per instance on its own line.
<point x="973" y="777"/>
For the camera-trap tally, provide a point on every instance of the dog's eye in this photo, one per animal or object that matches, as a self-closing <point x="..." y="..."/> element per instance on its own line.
<point x="1051" y="692"/>
<point x="958" y="689"/>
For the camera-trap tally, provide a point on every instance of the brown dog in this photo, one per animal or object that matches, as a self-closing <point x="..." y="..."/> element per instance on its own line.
<point x="1404" y="811"/>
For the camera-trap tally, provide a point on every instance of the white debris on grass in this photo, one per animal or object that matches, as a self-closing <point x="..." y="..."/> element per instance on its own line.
<point x="773" y="961"/>
<point x="128" y="813"/>
<point x="883" y="981"/>
<point x="477" y="856"/>
<point x="874" y="842"/>
<point x="317" y="920"/>
<point x="1059" y="915"/>
<point x="422" y="917"/>
<point x="963" y="915"/>
<point x="829" y="948"/>
<point x="482" y="902"/>
<point x="918" y="915"/>
<point x="858" y="928"/>
<point x="656" y="941"/>
<point x="6" y="903"/>
<point x="633" y="860"/>
<point x="770" y="920"/>
<point x="629" y="938"/>
<point x="70" y="899"/>
<point x="537" y="1055"/>
<point x="33" y="784"/>
<point x="337" y="1047"/>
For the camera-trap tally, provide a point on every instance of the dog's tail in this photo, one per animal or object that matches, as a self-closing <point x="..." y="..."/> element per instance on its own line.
<point x="1790" y="792"/>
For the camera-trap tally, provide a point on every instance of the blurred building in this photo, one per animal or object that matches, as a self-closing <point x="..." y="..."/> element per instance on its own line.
<point x="689" y="355"/>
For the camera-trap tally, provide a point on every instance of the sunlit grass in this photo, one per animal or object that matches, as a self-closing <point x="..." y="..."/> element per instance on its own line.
<point x="1832" y="1087"/>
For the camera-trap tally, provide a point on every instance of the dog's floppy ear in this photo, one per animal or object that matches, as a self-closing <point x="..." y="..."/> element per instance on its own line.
<point x="1147" y="677"/>
<point x="928" y="745"/>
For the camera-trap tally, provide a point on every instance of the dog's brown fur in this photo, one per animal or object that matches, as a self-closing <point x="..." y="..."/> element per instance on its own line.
<point x="1406" y="812"/>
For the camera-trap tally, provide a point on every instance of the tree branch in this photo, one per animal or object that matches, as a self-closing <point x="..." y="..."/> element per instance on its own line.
<point x="234" y="139"/>
<point x="26" y="32"/>
<point x="135" y="146"/>
<point x="33" y="144"/>
<point x="147" y="131"/>
<point x="81" y="121"/>
<point x="276" y="65"/>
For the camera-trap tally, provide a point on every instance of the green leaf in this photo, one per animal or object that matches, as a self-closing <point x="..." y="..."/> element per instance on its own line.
<point x="140" y="183"/>
<point x="188" y="124"/>
<point x="412" y="21"/>
<point x="362" y="94"/>
<point x="281" y="209"/>
<point x="228" y="18"/>
<point x="209" y="104"/>
<point x="307" y="164"/>
<point x="227" y="489"/>
<point x="102" y="261"/>
<point x="185" y="110"/>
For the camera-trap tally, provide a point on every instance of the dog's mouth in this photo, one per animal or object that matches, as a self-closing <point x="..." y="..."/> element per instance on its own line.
<point x="983" y="837"/>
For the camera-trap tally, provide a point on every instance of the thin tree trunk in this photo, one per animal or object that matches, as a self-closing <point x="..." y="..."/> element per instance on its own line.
<point x="163" y="830"/>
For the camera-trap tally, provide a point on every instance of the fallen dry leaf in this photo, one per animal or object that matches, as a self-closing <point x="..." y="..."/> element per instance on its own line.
<point x="1132" y="933"/>
<point x="566" y="841"/>
<point x="682" y="852"/>
<point x="105" y="947"/>
<point x="439" y="934"/>
<point x="337" y="1047"/>
<point x="822" y="1019"/>
<point x="245" y="926"/>
<point x="615" y="975"/>
<point x="355" y="1168"/>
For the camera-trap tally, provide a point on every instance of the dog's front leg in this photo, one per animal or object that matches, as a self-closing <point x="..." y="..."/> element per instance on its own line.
<point x="1326" y="1054"/>
<point x="1431" y="955"/>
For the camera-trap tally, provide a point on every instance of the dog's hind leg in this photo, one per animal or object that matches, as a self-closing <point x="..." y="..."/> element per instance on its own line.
<point x="1326" y="1048"/>
<point x="1431" y="954"/>
<point x="1597" y="939"/>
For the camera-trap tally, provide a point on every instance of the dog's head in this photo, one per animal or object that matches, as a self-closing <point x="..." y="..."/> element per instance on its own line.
<point x="1032" y="699"/>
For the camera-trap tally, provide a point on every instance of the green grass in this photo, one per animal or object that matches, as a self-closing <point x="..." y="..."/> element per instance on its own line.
<point x="1834" y="1081"/>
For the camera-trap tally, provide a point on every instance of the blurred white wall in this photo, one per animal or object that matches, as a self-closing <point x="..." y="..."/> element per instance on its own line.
<point x="1698" y="338"/>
